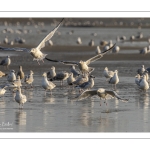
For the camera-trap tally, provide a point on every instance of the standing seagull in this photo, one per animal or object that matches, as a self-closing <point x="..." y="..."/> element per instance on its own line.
<point x="11" y="76"/>
<point x="143" y="83"/>
<point x="47" y="85"/>
<point x="6" y="62"/>
<point x="83" y="65"/>
<point x="74" y="71"/>
<point x="87" y="85"/>
<point x="20" y="98"/>
<point x="29" y="78"/>
<point x="102" y="93"/>
<point x="141" y="70"/>
<point x="36" y="52"/>
<point x="115" y="79"/>
<point x="107" y="73"/>
<point x="98" y="50"/>
<point x="52" y="73"/>
<point x="61" y="76"/>
<point x="20" y="73"/>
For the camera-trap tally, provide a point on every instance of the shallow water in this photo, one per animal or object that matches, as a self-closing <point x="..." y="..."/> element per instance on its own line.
<point x="57" y="113"/>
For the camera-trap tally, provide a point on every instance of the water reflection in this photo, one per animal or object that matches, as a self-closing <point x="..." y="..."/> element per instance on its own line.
<point x="29" y="95"/>
<point x="2" y="107"/>
<point x="49" y="100"/>
<point x="86" y="112"/>
<point x="20" y="117"/>
<point x="143" y="101"/>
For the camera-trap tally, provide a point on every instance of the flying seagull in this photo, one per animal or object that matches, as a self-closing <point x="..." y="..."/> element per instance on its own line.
<point x="36" y="51"/>
<point x="83" y="65"/>
<point x="101" y="92"/>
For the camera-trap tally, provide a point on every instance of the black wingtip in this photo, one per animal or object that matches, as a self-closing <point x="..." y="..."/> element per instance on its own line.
<point x="51" y="60"/>
<point x="109" y="48"/>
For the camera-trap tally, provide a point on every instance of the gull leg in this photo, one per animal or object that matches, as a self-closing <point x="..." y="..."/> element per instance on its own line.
<point x="105" y="102"/>
<point x="45" y="92"/>
<point x="51" y="92"/>
<point x="42" y="60"/>
<point x="100" y="101"/>
<point x="38" y="62"/>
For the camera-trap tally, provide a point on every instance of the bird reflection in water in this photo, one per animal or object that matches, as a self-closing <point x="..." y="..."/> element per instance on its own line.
<point x="49" y="100"/>
<point x="21" y="117"/>
<point x="86" y="113"/>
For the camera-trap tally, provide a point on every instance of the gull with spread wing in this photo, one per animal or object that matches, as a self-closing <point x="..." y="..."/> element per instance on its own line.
<point x="36" y="52"/>
<point x="102" y="93"/>
<point x="83" y="65"/>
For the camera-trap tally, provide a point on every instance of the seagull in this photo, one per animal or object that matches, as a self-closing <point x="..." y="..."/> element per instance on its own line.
<point x="11" y="76"/>
<point x="70" y="79"/>
<point x="79" y="41"/>
<point x="87" y="85"/>
<point x="145" y="50"/>
<point x="61" y="76"/>
<point x="81" y="79"/>
<point x="20" y="98"/>
<point x="83" y="65"/>
<point x="2" y="90"/>
<point x="20" y="73"/>
<point x="137" y="79"/>
<point x="47" y="85"/>
<point x="36" y="52"/>
<point x="101" y="92"/>
<point x="51" y="74"/>
<point x="17" y="82"/>
<point x="91" y="43"/>
<point x="6" y="62"/>
<point x="74" y="71"/>
<point x="115" y="79"/>
<point x="29" y="78"/>
<point x="143" y="83"/>
<point x="116" y="49"/>
<point x="2" y="74"/>
<point x="141" y="70"/>
<point x="98" y="50"/>
<point x="107" y="73"/>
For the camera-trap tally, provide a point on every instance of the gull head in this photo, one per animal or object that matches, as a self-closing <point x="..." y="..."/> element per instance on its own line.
<point x="116" y="71"/>
<point x="33" y="50"/>
<point x="106" y="68"/>
<point x="53" y="68"/>
<point x="12" y="71"/>
<point x="31" y="72"/>
<point x="44" y="74"/>
<point x="101" y="90"/>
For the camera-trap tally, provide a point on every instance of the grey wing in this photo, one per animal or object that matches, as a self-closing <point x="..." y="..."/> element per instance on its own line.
<point x="64" y="62"/>
<point x="49" y="36"/>
<point x="85" y="94"/>
<point x="70" y="63"/>
<point x="99" y="55"/>
<point x="14" y="49"/>
<point x="114" y="94"/>
<point x="83" y="85"/>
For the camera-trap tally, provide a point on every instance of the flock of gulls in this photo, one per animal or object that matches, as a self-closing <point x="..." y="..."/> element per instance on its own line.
<point x="81" y="79"/>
